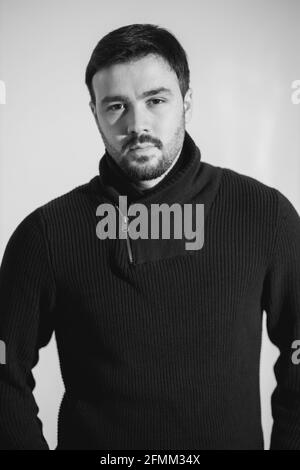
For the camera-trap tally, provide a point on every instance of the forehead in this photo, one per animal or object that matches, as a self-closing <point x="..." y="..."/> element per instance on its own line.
<point x="135" y="77"/>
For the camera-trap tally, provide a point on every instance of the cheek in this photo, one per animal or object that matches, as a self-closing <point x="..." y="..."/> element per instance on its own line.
<point x="104" y="123"/>
<point x="168" y="123"/>
<point x="107" y="128"/>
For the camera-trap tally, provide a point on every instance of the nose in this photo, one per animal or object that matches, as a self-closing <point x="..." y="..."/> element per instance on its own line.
<point x="137" y="120"/>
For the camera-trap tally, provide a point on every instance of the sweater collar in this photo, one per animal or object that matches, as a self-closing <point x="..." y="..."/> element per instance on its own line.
<point x="190" y="181"/>
<point x="176" y="186"/>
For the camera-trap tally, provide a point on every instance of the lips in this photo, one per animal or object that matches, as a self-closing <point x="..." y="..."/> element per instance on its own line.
<point x="141" y="146"/>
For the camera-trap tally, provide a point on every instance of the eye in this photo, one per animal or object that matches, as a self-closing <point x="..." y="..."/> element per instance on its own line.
<point x="156" y="101"/>
<point x="115" y="107"/>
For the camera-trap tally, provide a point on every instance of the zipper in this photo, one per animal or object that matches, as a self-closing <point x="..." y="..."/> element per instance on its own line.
<point x="124" y="228"/>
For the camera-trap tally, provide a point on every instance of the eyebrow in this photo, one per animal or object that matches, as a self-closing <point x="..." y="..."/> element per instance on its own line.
<point x="156" y="91"/>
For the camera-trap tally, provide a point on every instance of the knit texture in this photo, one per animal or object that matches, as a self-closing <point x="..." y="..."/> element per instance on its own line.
<point x="161" y="351"/>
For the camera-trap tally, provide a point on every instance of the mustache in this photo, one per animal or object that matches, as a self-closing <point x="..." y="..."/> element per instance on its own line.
<point x="141" y="140"/>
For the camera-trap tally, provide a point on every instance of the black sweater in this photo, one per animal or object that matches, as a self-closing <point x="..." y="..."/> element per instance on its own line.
<point x="159" y="346"/>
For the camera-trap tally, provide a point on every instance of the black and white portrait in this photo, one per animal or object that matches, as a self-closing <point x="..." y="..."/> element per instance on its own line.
<point x="149" y="225"/>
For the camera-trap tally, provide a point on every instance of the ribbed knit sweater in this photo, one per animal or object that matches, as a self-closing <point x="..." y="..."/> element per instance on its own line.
<point x="159" y="346"/>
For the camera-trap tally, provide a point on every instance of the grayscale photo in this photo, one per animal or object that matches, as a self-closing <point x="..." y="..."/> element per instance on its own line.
<point x="149" y="227"/>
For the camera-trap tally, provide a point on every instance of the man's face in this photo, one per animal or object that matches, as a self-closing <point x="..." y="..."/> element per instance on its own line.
<point x="141" y="115"/>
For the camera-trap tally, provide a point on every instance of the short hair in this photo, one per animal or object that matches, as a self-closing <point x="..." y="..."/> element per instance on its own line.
<point x="135" y="41"/>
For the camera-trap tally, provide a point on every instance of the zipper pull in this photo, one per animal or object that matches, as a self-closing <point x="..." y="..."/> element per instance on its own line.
<point x="129" y="249"/>
<point x="124" y="228"/>
<point x="124" y="223"/>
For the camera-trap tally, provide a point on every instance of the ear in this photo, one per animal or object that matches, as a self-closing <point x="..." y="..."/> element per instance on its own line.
<point x="187" y="103"/>
<point x="93" y="108"/>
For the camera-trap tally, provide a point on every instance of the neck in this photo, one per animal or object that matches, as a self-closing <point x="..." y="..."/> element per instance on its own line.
<point x="147" y="184"/>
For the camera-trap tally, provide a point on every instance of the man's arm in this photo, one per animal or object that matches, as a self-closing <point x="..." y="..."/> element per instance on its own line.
<point x="27" y="298"/>
<point x="281" y="301"/>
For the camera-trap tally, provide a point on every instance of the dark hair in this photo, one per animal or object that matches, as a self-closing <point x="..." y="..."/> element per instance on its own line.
<point x="135" y="41"/>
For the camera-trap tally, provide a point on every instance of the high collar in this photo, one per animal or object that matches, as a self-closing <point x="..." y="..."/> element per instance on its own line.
<point x="190" y="181"/>
<point x="176" y="186"/>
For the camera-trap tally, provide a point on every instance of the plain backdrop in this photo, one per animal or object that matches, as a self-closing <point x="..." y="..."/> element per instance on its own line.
<point x="243" y="56"/>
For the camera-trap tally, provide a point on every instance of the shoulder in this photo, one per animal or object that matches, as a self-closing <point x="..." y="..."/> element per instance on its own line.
<point x="56" y="213"/>
<point x="246" y="196"/>
<point x="243" y="183"/>
<point x="68" y="200"/>
<point x="243" y="189"/>
<point x="251" y="187"/>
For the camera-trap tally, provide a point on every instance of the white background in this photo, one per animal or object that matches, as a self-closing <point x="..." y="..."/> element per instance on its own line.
<point x="243" y="56"/>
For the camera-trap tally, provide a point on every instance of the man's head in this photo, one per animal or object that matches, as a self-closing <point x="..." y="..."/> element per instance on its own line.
<point x="138" y="79"/>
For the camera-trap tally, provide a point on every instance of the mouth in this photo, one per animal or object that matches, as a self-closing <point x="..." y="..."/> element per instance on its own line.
<point x="141" y="146"/>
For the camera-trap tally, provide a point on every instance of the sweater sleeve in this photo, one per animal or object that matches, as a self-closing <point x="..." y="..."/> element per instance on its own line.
<point x="27" y="298"/>
<point x="281" y="301"/>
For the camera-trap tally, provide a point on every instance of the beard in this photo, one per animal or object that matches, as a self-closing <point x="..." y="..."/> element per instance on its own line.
<point x="137" y="168"/>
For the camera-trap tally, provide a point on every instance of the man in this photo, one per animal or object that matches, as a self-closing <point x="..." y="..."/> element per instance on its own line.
<point x="159" y="345"/>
